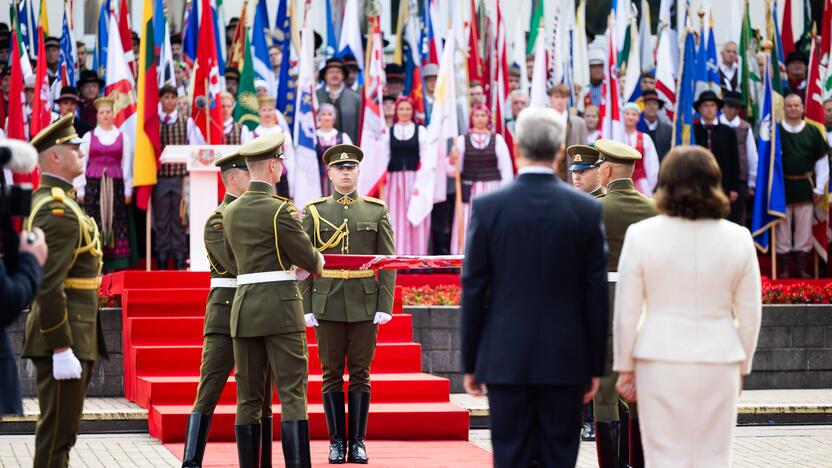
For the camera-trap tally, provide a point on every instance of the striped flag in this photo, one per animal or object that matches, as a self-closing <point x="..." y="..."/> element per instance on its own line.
<point x="162" y="48"/>
<point x="285" y="101"/>
<point x="373" y="127"/>
<point x="304" y="168"/>
<point x="610" y="124"/>
<point x="66" y="61"/>
<point x="500" y="91"/>
<point x="260" y="48"/>
<point x="814" y="115"/>
<point x="190" y="32"/>
<point x="207" y="81"/>
<point x="42" y="97"/>
<point x="148" y="143"/>
<point x="350" y="38"/>
<point x="123" y="29"/>
<point x="119" y="83"/>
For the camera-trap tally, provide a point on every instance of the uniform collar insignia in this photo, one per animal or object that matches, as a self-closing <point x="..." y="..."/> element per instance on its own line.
<point x="345" y="200"/>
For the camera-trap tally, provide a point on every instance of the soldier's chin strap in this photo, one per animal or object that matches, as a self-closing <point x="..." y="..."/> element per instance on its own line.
<point x="342" y="233"/>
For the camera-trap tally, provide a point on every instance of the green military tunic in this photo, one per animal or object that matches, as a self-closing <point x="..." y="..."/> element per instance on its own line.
<point x="597" y="193"/>
<point x="622" y="206"/>
<point x="263" y="234"/>
<point x="801" y="151"/>
<point x="64" y="314"/>
<point x="345" y="302"/>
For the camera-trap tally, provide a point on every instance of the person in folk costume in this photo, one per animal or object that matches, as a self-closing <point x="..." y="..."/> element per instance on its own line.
<point x="646" y="172"/>
<point x="407" y="142"/>
<point x="106" y="187"/>
<point x="592" y="116"/>
<point x="269" y="123"/>
<point x="484" y="164"/>
<point x="327" y="136"/>
<point x="232" y="131"/>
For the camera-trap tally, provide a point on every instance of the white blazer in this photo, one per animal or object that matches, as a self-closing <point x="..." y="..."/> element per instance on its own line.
<point x="688" y="291"/>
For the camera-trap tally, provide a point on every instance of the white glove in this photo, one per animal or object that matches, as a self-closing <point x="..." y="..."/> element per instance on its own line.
<point x="65" y="365"/>
<point x="382" y="317"/>
<point x="310" y="319"/>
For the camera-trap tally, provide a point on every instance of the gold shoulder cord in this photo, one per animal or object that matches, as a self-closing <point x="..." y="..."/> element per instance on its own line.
<point x="85" y="242"/>
<point x="276" y="247"/>
<point x="342" y="232"/>
<point x="214" y="267"/>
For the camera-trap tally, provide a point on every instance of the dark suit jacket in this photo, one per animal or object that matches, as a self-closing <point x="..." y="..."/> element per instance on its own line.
<point x="81" y="127"/>
<point x="348" y="106"/>
<point x="724" y="147"/>
<point x="534" y="285"/>
<point x="661" y="136"/>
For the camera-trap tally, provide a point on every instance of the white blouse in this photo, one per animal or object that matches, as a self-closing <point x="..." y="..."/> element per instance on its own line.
<point x="480" y="141"/>
<point x="329" y="137"/>
<point x="405" y="131"/>
<point x="107" y="138"/>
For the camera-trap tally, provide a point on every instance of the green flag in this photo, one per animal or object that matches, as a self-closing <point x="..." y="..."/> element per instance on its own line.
<point x="246" y="110"/>
<point x="804" y="44"/>
<point x="748" y="62"/>
<point x="535" y="24"/>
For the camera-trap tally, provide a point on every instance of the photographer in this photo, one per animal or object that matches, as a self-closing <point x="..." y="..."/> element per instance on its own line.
<point x="21" y="265"/>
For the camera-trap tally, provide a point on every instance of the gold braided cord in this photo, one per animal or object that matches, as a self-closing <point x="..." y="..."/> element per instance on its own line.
<point x="276" y="248"/>
<point x="214" y="267"/>
<point x="341" y="232"/>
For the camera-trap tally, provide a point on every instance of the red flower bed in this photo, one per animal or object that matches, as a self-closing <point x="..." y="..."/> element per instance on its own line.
<point x="441" y="295"/>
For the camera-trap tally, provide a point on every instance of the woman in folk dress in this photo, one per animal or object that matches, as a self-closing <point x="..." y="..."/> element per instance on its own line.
<point x="407" y="141"/>
<point x="484" y="164"/>
<point x="327" y="136"/>
<point x="106" y="188"/>
<point x="269" y="123"/>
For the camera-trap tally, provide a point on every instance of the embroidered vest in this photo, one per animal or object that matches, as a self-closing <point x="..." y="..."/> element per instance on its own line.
<point x="480" y="165"/>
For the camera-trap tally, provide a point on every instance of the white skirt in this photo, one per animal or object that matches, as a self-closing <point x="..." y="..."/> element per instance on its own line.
<point x="463" y="216"/>
<point x="687" y="412"/>
<point x="409" y="239"/>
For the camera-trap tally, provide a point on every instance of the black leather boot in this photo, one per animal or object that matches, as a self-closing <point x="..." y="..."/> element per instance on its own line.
<point x="636" y="456"/>
<point x="335" y="422"/>
<point x="294" y="435"/>
<point x="248" y="445"/>
<point x="266" y="442"/>
<point x="196" y="436"/>
<point x="623" y="438"/>
<point x="606" y="443"/>
<point x="359" y="409"/>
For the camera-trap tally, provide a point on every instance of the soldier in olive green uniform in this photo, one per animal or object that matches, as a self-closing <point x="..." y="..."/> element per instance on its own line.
<point x="622" y="206"/>
<point x="217" y="351"/>
<point x="264" y="237"/>
<point x="63" y="333"/>
<point x="584" y="168"/>
<point x="346" y="306"/>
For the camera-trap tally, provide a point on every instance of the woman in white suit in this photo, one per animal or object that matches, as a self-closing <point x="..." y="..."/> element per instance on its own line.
<point x="687" y="316"/>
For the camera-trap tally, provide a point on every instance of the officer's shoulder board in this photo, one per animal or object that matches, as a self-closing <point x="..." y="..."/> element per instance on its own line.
<point x="318" y="200"/>
<point x="55" y="205"/>
<point x="375" y="200"/>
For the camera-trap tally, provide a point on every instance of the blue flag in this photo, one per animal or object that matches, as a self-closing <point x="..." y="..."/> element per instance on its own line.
<point x="701" y="63"/>
<point x="712" y="62"/>
<point x="683" y="117"/>
<point x="28" y="26"/>
<point x="285" y="101"/>
<point x="770" y="194"/>
<point x="66" y="61"/>
<point x="99" y="60"/>
<point x="331" y="38"/>
<point x="220" y="54"/>
<point x="259" y="47"/>
<point x="190" y="33"/>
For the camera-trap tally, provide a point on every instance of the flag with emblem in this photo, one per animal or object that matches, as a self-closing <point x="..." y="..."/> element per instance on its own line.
<point x="374" y="165"/>
<point x="246" y="110"/>
<point x="665" y="71"/>
<point x="815" y="116"/>
<point x="770" y="195"/>
<point x="207" y="81"/>
<point x="304" y="172"/>
<point x="66" y="60"/>
<point x="123" y="30"/>
<point x="285" y="101"/>
<point x="102" y="40"/>
<point x="148" y="142"/>
<point x="610" y="123"/>
<point x="240" y="40"/>
<point x="119" y="83"/>
<point x="190" y="32"/>
<point x="683" y="116"/>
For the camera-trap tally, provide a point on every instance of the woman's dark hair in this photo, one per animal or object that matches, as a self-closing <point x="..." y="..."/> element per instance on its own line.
<point x="690" y="185"/>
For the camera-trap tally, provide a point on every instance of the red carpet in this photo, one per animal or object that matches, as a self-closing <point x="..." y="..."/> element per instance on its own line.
<point x="162" y="314"/>
<point x="383" y="453"/>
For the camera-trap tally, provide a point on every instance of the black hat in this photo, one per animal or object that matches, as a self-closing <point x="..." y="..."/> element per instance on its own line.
<point x="176" y="38"/>
<point x="651" y="95"/>
<point x="350" y="62"/>
<point x="394" y="72"/>
<point x="333" y="62"/>
<point x="7" y="70"/>
<point x="52" y="41"/>
<point x="89" y="76"/>
<point x="733" y="98"/>
<point x="319" y="40"/>
<point x="708" y="95"/>
<point x="231" y="73"/>
<point x="167" y="89"/>
<point x="389" y="97"/>
<point x="68" y="93"/>
<point x="134" y="35"/>
<point x="796" y="55"/>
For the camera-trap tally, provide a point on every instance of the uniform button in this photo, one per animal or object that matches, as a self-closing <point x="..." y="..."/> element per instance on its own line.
<point x="346" y="207"/>
<point x="314" y="290"/>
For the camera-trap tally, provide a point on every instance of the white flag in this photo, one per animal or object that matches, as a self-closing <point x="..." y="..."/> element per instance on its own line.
<point x="374" y="164"/>
<point x="539" y="98"/>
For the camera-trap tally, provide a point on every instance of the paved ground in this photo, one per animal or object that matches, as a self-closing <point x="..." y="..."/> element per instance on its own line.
<point x="754" y="447"/>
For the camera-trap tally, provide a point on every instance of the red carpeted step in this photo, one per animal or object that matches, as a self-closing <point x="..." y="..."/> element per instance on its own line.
<point x="185" y="360"/>
<point x="404" y="421"/>
<point x="387" y="388"/>
<point x="116" y="283"/>
<point x="189" y="330"/>
<point x="180" y="302"/>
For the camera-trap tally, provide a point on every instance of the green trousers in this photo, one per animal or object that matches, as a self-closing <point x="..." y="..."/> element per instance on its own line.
<point x="353" y="342"/>
<point x="61" y="405"/>
<point x="607" y="401"/>
<point x="288" y="357"/>
<point x="217" y="362"/>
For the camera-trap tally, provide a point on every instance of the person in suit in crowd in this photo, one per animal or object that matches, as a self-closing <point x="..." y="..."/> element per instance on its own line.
<point x="520" y="331"/>
<point x="651" y="124"/>
<point x="729" y="70"/>
<point x="616" y="425"/>
<point x="747" y="146"/>
<point x="684" y="337"/>
<point x="574" y="125"/>
<point x="346" y="101"/>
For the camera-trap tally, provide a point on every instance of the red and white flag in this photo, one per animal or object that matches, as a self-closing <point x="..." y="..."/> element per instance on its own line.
<point x="665" y="71"/>
<point x="126" y="36"/>
<point x="42" y="101"/>
<point x="207" y="81"/>
<point x="373" y="128"/>
<point x="500" y="91"/>
<point x="119" y="83"/>
<point x="610" y="124"/>
<point x="815" y="115"/>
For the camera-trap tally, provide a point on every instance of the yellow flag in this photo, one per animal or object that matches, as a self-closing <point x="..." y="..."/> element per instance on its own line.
<point x="44" y="18"/>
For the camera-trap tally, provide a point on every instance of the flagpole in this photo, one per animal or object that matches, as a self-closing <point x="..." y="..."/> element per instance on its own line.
<point x="147" y="230"/>
<point x="773" y="247"/>
<point x="458" y="202"/>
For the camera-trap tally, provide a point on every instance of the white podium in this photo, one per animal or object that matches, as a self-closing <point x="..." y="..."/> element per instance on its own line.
<point x="203" y="190"/>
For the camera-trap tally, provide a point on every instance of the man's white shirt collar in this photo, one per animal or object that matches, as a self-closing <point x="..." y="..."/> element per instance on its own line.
<point x="535" y="169"/>
<point x="794" y="128"/>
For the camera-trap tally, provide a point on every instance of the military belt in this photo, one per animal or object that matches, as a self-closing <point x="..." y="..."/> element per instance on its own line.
<point x="612" y="277"/>
<point x="82" y="283"/>
<point x="804" y="176"/>
<point x="223" y="283"/>
<point x="265" y="277"/>
<point x="348" y="274"/>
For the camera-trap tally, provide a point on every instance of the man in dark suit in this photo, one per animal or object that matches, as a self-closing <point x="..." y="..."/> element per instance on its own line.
<point x="660" y="132"/>
<point x="721" y="140"/>
<point x="346" y="101"/>
<point x="535" y="315"/>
